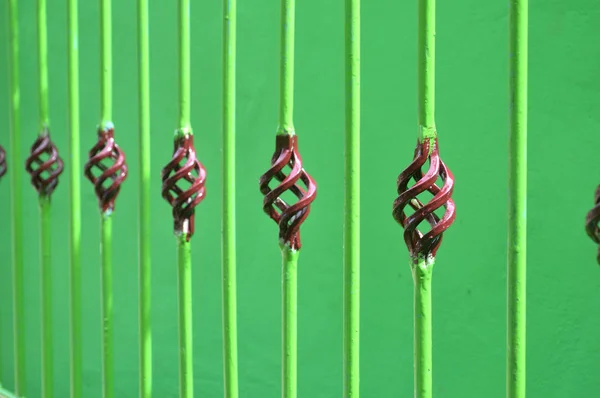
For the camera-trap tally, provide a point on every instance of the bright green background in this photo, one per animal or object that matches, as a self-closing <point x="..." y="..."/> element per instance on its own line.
<point x="472" y="114"/>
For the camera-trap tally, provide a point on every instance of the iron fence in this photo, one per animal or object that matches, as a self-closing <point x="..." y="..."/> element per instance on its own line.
<point x="424" y="206"/>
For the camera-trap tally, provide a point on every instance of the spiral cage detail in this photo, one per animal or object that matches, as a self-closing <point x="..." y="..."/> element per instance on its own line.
<point x="44" y="164"/>
<point x="106" y="169"/>
<point x="424" y="245"/>
<point x="2" y="162"/>
<point x="592" y="220"/>
<point x="183" y="184"/>
<point x="289" y="216"/>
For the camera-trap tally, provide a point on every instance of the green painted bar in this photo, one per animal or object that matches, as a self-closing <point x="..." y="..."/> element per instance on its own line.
<point x="75" y="200"/>
<point x="145" y="283"/>
<point x="107" y="306"/>
<point x="230" y="347"/>
<point x="43" y="63"/>
<point x="289" y="256"/>
<point x="186" y="355"/>
<point x="106" y="62"/>
<point x="184" y="67"/>
<point x="46" y="298"/>
<point x="426" y="69"/>
<point x="186" y="365"/>
<point x="352" y="205"/>
<point x="15" y="169"/>
<point x="290" y="321"/>
<point x="106" y="225"/>
<point x="517" y="206"/>
<point x="422" y="273"/>
<point x="47" y="373"/>
<point x="286" y="85"/>
<point x="422" y="268"/>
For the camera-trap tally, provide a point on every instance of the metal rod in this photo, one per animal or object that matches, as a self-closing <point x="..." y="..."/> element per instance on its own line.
<point x="426" y="69"/>
<point x="517" y="206"/>
<point x="106" y="62"/>
<point x="352" y="205"/>
<point x="145" y="286"/>
<point x="290" y="321"/>
<point x="45" y="230"/>
<point x="186" y="368"/>
<point x="46" y="296"/>
<point x="184" y="66"/>
<point x="75" y="200"/>
<point x="15" y="166"/>
<point x="186" y="363"/>
<point x="107" y="306"/>
<point x="286" y="86"/>
<point x="422" y="273"/>
<point x="423" y="267"/>
<point x="43" y="63"/>
<point x="106" y="225"/>
<point x="228" y="230"/>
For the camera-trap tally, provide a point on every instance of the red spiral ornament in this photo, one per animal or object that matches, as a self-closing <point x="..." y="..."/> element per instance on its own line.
<point x="591" y="222"/>
<point x="424" y="245"/>
<point x="183" y="184"/>
<point x="44" y="165"/>
<point x="106" y="168"/>
<point x="288" y="216"/>
<point x="2" y="162"/>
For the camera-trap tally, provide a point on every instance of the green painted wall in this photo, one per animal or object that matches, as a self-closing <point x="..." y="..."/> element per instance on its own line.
<point x="469" y="281"/>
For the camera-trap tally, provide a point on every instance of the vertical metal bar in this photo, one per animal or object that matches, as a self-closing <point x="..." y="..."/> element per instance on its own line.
<point x="184" y="65"/>
<point x="422" y="273"/>
<point x="43" y="63"/>
<point x="107" y="306"/>
<point x="186" y="368"/>
<point x="228" y="229"/>
<point x="184" y="166"/>
<point x="426" y="70"/>
<point x="145" y="287"/>
<point x="106" y="62"/>
<point x="288" y="216"/>
<point x="75" y="199"/>
<point x="422" y="269"/>
<point x="352" y="205"/>
<point x="106" y="221"/>
<point x="45" y="231"/>
<point x="289" y="255"/>
<point x="286" y="87"/>
<point x="46" y="295"/>
<point x="16" y="199"/>
<point x="290" y="321"/>
<point x="517" y="205"/>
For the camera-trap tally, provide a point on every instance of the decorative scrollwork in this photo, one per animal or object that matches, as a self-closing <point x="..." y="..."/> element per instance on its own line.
<point x="2" y="162"/>
<point x="106" y="168"/>
<point x="424" y="245"/>
<point x="183" y="184"/>
<point x="288" y="216"/>
<point x="591" y="222"/>
<point x="44" y="165"/>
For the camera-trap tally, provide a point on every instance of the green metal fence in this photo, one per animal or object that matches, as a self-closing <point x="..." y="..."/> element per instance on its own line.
<point x="423" y="207"/>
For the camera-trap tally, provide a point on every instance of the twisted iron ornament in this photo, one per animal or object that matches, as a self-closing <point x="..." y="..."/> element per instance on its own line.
<point x="591" y="222"/>
<point x="290" y="216"/>
<point x="2" y="162"/>
<point x="424" y="245"/>
<point x="44" y="164"/>
<point x="183" y="184"/>
<point x="106" y="168"/>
